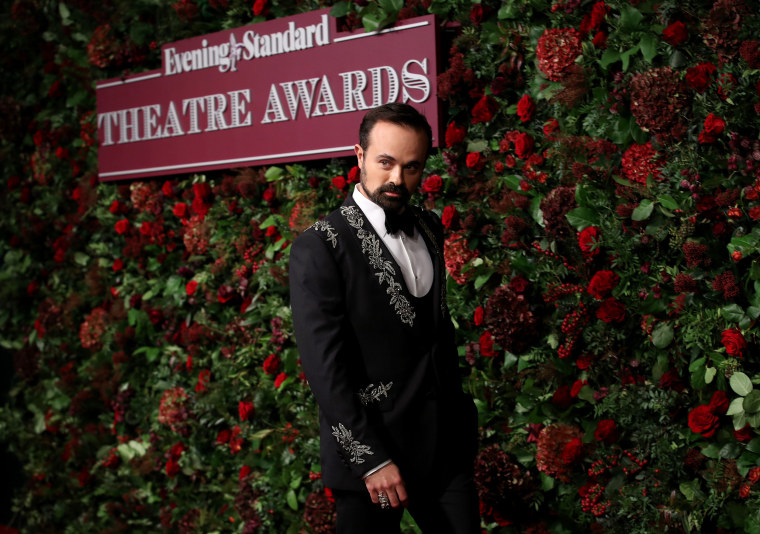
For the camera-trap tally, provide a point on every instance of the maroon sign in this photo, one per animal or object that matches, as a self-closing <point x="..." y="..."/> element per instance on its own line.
<point x="289" y="89"/>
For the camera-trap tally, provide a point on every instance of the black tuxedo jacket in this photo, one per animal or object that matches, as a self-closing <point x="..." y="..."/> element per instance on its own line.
<point x="386" y="382"/>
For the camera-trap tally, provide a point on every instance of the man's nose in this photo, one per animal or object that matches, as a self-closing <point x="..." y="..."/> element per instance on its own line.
<point x="397" y="175"/>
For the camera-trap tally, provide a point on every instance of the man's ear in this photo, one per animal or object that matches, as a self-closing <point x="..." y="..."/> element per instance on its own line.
<point x="359" y="151"/>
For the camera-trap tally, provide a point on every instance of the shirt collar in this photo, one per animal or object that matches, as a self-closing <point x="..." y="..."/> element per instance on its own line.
<point x="374" y="213"/>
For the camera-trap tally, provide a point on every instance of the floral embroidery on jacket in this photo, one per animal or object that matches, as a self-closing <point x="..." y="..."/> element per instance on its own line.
<point x="346" y="440"/>
<point x="373" y="393"/>
<point x="384" y="270"/>
<point x="324" y="226"/>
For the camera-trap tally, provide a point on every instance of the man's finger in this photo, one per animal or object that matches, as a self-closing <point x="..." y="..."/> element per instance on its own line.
<point x="402" y="496"/>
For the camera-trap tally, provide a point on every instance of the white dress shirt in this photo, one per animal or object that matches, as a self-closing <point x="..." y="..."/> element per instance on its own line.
<point x="411" y="253"/>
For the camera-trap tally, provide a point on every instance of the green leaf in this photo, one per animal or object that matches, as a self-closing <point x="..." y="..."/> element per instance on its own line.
<point x="391" y="6"/>
<point x="697" y="364"/>
<point x="662" y="335"/>
<point x="81" y="258"/>
<point x="754" y="420"/>
<point x="739" y="421"/>
<point x="711" y="451"/>
<point x="668" y="202"/>
<point x="648" y="46"/>
<point x="736" y="406"/>
<point x="291" y="499"/>
<point x="752" y="402"/>
<point x="754" y="446"/>
<point x="509" y="10"/>
<point x="340" y="9"/>
<point x="482" y="279"/>
<point x="732" y="313"/>
<point x="678" y="59"/>
<point x="513" y="182"/>
<point x="477" y="145"/>
<point x="741" y="384"/>
<point x="710" y="374"/>
<point x="626" y="56"/>
<point x="630" y="17"/>
<point x="581" y="218"/>
<point x="689" y="489"/>
<point x="643" y="210"/>
<point x="63" y="10"/>
<point x="274" y="173"/>
<point x="371" y="21"/>
<point x="609" y="56"/>
<point x="731" y="450"/>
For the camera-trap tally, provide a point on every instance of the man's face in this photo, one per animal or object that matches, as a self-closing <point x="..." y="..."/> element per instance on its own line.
<point x="391" y="167"/>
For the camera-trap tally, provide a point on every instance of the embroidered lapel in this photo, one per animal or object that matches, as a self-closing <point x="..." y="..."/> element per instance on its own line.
<point x="382" y="263"/>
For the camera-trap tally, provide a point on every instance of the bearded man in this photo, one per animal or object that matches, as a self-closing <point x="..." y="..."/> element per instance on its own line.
<point x="367" y="286"/>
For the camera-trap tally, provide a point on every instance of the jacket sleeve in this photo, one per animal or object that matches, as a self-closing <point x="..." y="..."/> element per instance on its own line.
<point x="321" y="328"/>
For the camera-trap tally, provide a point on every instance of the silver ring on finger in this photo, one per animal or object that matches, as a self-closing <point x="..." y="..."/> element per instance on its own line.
<point x="382" y="498"/>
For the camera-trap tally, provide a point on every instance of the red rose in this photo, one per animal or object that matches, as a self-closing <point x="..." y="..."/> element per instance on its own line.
<point x="551" y="127"/>
<point x="145" y="228"/>
<point x="339" y="182"/>
<point x="258" y="7"/>
<point x="432" y="185"/>
<point x="714" y="126"/>
<point x="474" y="160"/>
<point x="611" y="311"/>
<point x="225" y="293"/>
<point x="523" y="145"/>
<point x="744" y="434"/>
<point x="478" y="316"/>
<point x="525" y="108"/>
<point x="600" y="40"/>
<point x="203" y="377"/>
<point x="676" y="33"/>
<point x="572" y="451"/>
<point x="449" y="217"/>
<point x="180" y="210"/>
<point x="606" y="431"/>
<point x="484" y="110"/>
<point x="703" y="421"/>
<point x="279" y="380"/>
<point x="486" y="345"/>
<point x="244" y="472"/>
<point x="602" y="283"/>
<point x="588" y="240"/>
<point x="719" y="403"/>
<point x="245" y="410"/>
<point x="519" y="284"/>
<point x="454" y="134"/>
<point x="190" y="287"/>
<point x="577" y="387"/>
<point x="271" y="364"/>
<point x="121" y="226"/>
<point x="734" y="342"/>
<point x="754" y="213"/>
<point x="115" y="207"/>
<point x="700" y="76"/>
<point x="354" y="175"/>
<point x="118" y="265"/>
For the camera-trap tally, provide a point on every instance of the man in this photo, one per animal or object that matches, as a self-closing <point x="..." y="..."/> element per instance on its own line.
<point x="377" y="345"/>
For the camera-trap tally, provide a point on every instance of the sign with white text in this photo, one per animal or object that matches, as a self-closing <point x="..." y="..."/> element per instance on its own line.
<point x="289" y="89"/>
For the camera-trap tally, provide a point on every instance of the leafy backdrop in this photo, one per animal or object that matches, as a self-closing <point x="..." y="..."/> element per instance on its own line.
<point x="600" y="187"/>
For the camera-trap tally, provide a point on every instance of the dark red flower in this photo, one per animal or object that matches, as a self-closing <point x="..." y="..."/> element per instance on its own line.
<point x="484" y="110"/>
<point x="449" y="217"/>
<point x="588" y="240"/>
<point x="486" y="345"/>
<point x="121" y="226"/>
<point x="279" y="380"/>
<point x="271" y="364"/>
<point x="700" y="76"/>
<point x="714" y="126"/>
<point x="734" y="342"/>
<point x="523" y="145"/>
<point x="339" y="183"/>
<point x="719" y="403"/>
<point x="476" y="14"/>
<point x="606" y="431"/>
<point x="676" y="33"/>
<point x="432" y="185"/>
<point x="455" y="134"/>
<point x="474" y="160"/>
<point x="602" y="284"/>
<point x="611" y="311"/>
<point x="526" y="108"/>
<point x="572" y="451"/>
<point x="703" y="421"/>
<point x="557" y="50"/>
<point x="203" y="378"/>
<point x="245" y="410"/>
<point x="478" y="316"/>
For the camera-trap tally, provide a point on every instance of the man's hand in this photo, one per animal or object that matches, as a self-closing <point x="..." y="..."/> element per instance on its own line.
<point x="387" y="480"/>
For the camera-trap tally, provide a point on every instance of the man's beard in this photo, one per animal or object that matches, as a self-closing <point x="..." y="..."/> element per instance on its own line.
<point x="386" y="202"/>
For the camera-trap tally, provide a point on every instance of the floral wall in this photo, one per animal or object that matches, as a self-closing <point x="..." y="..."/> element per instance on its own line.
<point x="600" y="188"/>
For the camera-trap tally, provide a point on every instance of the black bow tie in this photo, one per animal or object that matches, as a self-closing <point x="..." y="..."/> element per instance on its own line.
<point x="403" y="221"/>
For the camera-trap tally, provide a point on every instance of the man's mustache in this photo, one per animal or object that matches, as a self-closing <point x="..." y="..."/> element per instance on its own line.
<point x="391" y="188"/>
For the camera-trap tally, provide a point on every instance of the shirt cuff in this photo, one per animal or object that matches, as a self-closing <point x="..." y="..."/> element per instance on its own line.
<point x="375" y="469"/>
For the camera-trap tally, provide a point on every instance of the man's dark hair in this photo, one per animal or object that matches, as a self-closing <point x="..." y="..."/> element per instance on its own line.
<point x="399" y="114"/>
